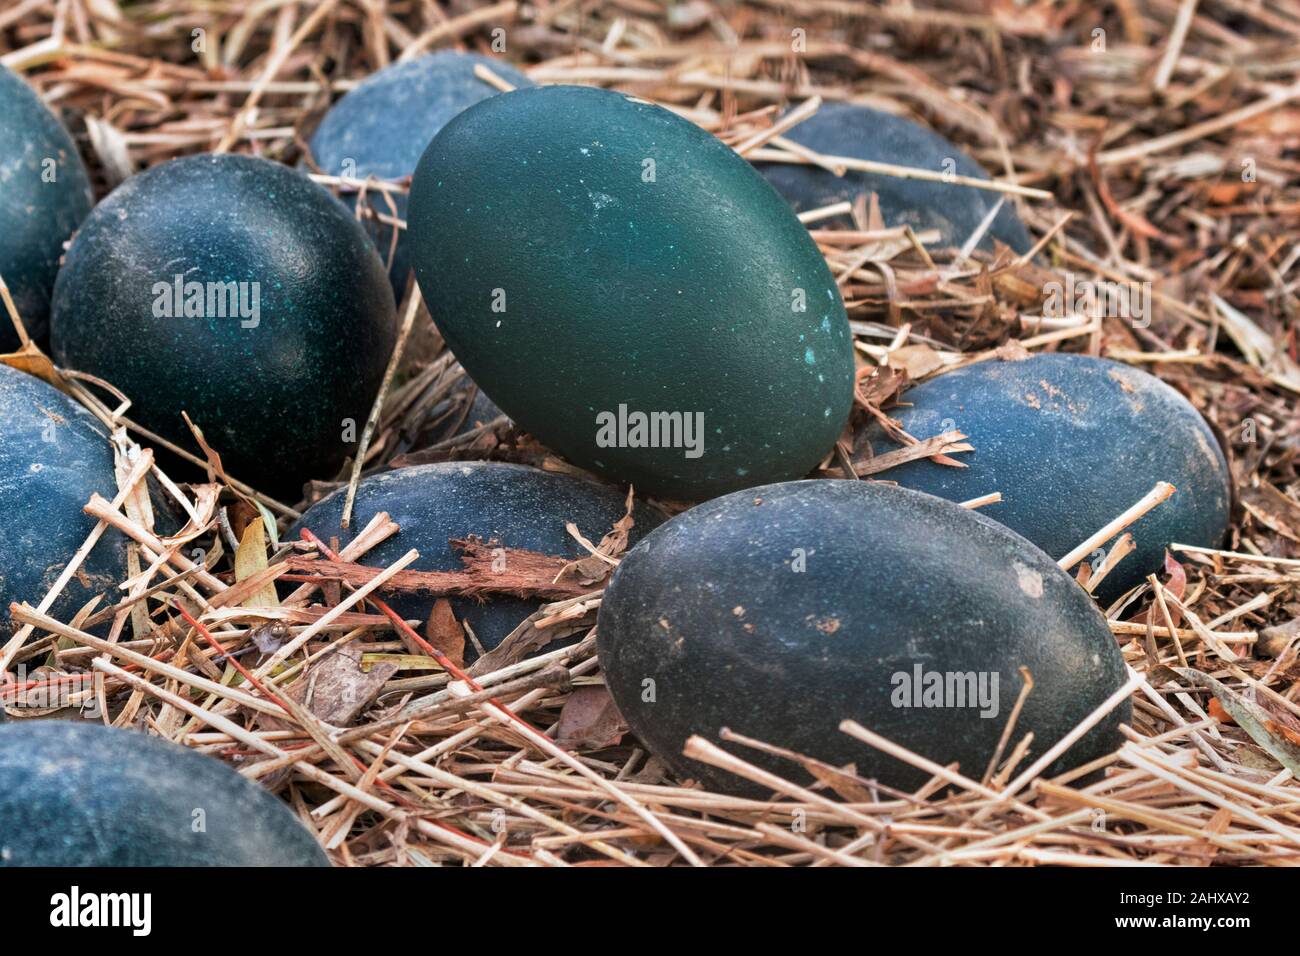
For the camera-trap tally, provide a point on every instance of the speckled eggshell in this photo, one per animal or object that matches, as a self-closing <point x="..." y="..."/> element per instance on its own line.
<point x="382" y="127"/>
<point x="858" y="132"/>
<point x="274" y="393"/>
<point x="520" y="507"/>
<point x="44" y="196"/>
<point x="582" y="250"/>
<point x="780" y="611"/>
<point x="75" y="794"/>
<point x="53" y="456"/>
<point x="1071" y="442"/>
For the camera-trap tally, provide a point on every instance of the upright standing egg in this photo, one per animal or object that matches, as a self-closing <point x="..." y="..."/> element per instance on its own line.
<point x="1070" y="442"/>
<point x="75" y="793"/>
<point x="629" y="290"/>
<point x="382" y="127"/>
<point x="238" y="291"/>
<point x="780" y="611"/>
<point x="856" y="132"/>
<point x="53" y="456"/>
<point x="44" y="196"/>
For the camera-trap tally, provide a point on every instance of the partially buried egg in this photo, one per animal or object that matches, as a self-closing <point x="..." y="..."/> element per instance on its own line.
<point x="1070" y="442"/>
<point x="631" y="292"/>
<point x="81" y="794"/>
<point x="381" y="128"/>
<point x="516" y="506"/>
<point x="238" y="291"/>
<point x="857" y="132"/>
<point x="54" y="455"/>
<point x="781" y="611"/>
<point x="44" y="196"/>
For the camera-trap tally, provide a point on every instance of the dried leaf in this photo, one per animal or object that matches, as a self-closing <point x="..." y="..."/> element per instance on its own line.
<point x="1175" y="584"/>
<point x="589" y="720"/>
<point x="444" y="632"/>
<point x="403" y="662"/>
<point x="338" y="689"/>
<point x="594" y="568"/>
<point x="270" y="637"/>
<point x="1250" y="716"/>
<point x="878" y="385"/>
<point x="110" y="145"/>
<point x="32" y="360"/>
<point x="250" y="559"/>
<point x="917" y="360"/>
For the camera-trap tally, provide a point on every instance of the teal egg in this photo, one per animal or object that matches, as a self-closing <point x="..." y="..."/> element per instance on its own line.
<point x="78" y="794"/>
<point x="382" y="127"/>
<point x="857" y="132"/>
<point x="631" y="292"/>
<point x="238" y="291"/>
<point x="780" y="611"/>
<point x="516" y="506"/>
<point x="54" y="455"/>
<point x="44" y="196"/>
<point x="1071" y="442"/>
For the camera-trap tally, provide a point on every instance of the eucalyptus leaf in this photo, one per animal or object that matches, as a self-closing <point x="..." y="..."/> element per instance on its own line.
<point x="1249" y="716"/>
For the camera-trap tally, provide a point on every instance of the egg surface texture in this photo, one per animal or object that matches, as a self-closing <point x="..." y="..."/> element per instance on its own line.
<point x="238" y="291"/>
<point x="54" y="454"/>
<point x="780" y="611"/>
<point x="1071" y="442"/>
<point x="631" y="292"/>
<point x="77" y="793"/>
<point x="44" y="196"/>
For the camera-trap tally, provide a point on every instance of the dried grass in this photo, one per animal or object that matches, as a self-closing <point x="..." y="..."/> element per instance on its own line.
<point x="1128" y="163"/>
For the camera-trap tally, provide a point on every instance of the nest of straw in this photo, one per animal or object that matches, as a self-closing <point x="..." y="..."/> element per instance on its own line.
<point x="1152" y="141"/>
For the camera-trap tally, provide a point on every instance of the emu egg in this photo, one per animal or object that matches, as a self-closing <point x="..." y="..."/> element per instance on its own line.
<point x="54" y="455"/>
<point x="81" y="794"/>
<point x="382" y="127"/>
<point x="631" y="292"/>
<point x="1071" y="442"/>
<point x="780" y="611"/>
<point x="519" y="507"/>
<point x="856" y="132"/>
<point x="238" y="291"/>
<point x="44" y="195"/>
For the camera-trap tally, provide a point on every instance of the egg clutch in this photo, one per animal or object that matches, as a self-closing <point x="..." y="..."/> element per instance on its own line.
<point x="646" y="303"/>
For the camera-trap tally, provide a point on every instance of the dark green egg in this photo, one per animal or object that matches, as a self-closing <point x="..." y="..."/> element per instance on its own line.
<point x="44" y="196"/>
<point x="780" y="611"/>
<point x="81" y="794"/>
<point x="53" y="456"/>
<point x="1071" y="442"/>
<point x="382" y="127"/>
<point x="857" y="132"/>
<point x="631" y="292"/>
<point x="517" y="506"/>
<point x="240" y="292"/>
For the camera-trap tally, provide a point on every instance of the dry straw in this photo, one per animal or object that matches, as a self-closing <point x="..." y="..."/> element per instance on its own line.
<point x="1159" y="156"/>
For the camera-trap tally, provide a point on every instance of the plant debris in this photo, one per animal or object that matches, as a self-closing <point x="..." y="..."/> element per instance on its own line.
<point x="1155" y="158"/>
